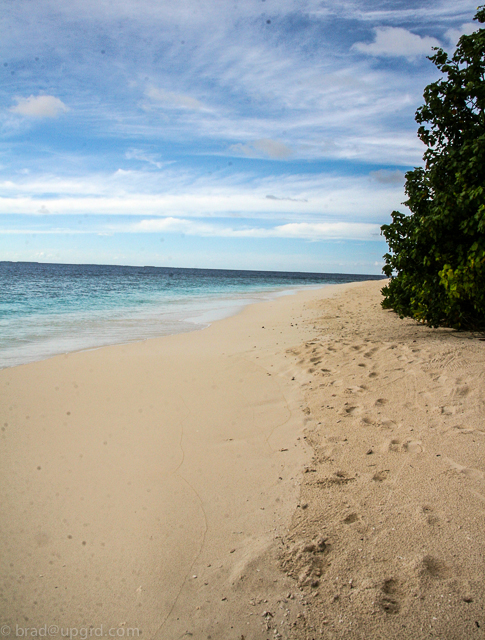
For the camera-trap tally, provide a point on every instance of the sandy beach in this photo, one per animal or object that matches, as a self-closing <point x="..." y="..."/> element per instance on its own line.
<point x="310" y="468"/>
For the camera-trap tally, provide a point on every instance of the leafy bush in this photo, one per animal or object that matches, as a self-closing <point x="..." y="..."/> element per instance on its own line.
<point x="437" y="254"/>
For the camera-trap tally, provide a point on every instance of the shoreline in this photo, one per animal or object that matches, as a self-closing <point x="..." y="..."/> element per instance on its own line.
<point x="142" y="465"/>
<point x="202" y="319"/>
<point x="51" y="309"/>
<point x="311" y="467"/>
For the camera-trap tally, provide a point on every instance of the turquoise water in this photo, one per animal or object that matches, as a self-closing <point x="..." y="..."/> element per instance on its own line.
<point x="47" y="309"/>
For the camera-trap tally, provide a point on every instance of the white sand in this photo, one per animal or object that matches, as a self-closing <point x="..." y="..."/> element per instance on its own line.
<point x="397" y="483"/>
<point x="130" y="469"/>
<point x="155" y="486"/>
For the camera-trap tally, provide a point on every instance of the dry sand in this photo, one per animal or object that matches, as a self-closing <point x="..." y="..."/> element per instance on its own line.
<point x="169" y="487"/>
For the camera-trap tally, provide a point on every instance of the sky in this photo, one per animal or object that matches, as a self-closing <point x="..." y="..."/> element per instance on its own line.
<point x="232" y="134"/>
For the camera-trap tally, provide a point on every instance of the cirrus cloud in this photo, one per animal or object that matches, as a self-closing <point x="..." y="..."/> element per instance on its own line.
<point x="172" y="100"/>
<point x="263" y="147"/>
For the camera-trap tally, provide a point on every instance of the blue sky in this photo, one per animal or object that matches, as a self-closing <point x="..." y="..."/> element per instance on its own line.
<point x="247" y="134"/>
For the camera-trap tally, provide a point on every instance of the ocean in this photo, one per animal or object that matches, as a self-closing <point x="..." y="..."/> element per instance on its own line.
<point x="49" y="309"/>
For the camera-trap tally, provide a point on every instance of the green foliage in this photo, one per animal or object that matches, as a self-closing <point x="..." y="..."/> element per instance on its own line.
<point x="436" y="258"/>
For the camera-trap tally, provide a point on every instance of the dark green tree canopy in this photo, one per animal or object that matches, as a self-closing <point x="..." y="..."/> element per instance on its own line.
<point x="436" y="258"/>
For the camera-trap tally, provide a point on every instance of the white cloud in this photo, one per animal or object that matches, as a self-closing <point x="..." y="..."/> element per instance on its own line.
<point x="296" y="230"/>
<point x="169" y="225"/>
<point x="329" y="230"/>
<point x="427" y="13"/>
<point x="173" y="100"/>
<point x="385" y="176"/>
<point x="39" y="106"/>
<point x="397" y="42"/>
<point x="179" y="193"/>
<point x="214" y="229"/>
<point x="271" y="197"/>
<point x="263" y="147"/>
<point x="453" y="35"/>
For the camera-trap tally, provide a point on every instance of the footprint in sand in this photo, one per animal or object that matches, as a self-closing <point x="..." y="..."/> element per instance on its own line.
<point x="460" y="391"/>
<point x="458" y="428"/>
<point x="391" y="445"/>
<point x="397" y="446"/>
<point x="352" y="517"/>
<point x="447" y="410"/>
<point x="389" y="599"/>
<point x="428" y="512"/>
<point x="413" y="446"/>
<point x="468" y="472"/>
<point x="356" y="389"/>
<point x="350" y="411"/>
<point x="434" y="568"/>
<point x="386" y="423"/>
<point x="380" y="402"/>
<point x="380" y="476"/>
